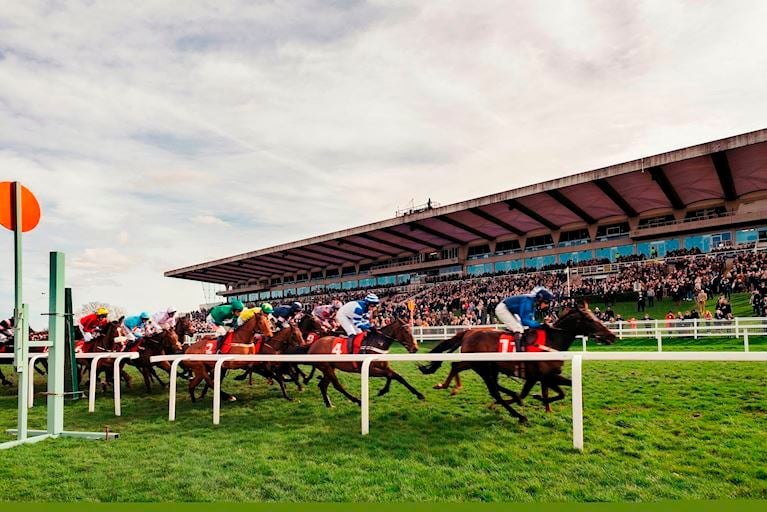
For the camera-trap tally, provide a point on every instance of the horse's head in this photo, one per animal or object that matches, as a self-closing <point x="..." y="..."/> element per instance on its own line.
<point x="309" y="323"/>
<point x="581" y="321"/>
<point x="400" y="331"/>
<point x="288" y="339"/>
<point x="184" y="327"/>
<point x="111" y="331"/>
<point x="262" y="324"/>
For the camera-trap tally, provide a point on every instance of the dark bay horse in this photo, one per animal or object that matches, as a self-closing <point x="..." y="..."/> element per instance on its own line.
<point x="376" y="341"/>
<point x="573" y="322"/>
<point x="162" y="343"/>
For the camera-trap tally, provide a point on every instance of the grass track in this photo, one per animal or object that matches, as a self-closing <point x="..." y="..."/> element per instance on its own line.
<point x="653" y="431"/>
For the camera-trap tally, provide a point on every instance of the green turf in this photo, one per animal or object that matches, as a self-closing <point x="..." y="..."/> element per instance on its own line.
<point x="653" y="431"/>
<point x="738" y="301"/>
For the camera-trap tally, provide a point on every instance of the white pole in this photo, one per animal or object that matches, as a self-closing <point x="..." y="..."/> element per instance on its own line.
<point x="172" y="390"/>
<point x="116" y="385"/>
<point x="659" y="337"/>
<point x="745" y="340"/>
<point x="695" y="328"/>
<point x="92" y="387"/>
<point x="577" y="396"/>
<point x="365" y="395"/>
<point x="31" y="372"/>
<point x="583" y="340"/>
<point x="217" y="390"/>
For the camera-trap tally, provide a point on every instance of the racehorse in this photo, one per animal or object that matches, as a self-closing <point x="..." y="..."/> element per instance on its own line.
<point x="573" y="322"/>
<point x="105" y="342"/>
<point x="312" y="330"/>
<point x="376" y="341"/>
<point x="165" y="342"/>
<point x="242" y="343"/>
<point x="286" y="340"/>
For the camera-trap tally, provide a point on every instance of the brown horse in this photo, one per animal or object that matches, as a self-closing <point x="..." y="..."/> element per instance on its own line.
<point x="285" y="341"/>
<point x="105" y="342"/>
<point x="573" y="322"/>
<point x="165" y="342"/>
<point x="242" y="344"/>
<point x="376" y="341"/>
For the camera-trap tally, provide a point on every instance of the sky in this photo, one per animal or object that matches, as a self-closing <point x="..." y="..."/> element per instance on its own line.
<point x="160" y="134"/>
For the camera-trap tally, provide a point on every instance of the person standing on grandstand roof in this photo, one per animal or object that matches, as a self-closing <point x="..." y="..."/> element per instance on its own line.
<point x="283" y="314"/>
<point x="327" y="314"/>
<point x="91" y="325"/>
<point x="518" y="311"/>
<point x="248" y="313"/>
<point x="222" y="320"/>
<point x="136" y="327"/>
<point x="354" y="316"/>
<point x="164" y="320"/>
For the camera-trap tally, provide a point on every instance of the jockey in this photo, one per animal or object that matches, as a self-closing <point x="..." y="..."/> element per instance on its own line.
<point x="164" y="320"/>
<point x="6" y="330"/>
<point x="136" y="328"/>
<point x="222" y="319"/>
<point x="327" y="314"/>
<point x="282" y="314"/>
<point x="518" y="312"/>
<point x="91" y="325"/>
<point x="247" y="313"/>
<point x="354" y="316"/>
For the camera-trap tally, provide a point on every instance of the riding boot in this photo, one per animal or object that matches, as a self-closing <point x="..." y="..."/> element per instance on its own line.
<point x="518" y="342"/>
<point x="219" y="343"/>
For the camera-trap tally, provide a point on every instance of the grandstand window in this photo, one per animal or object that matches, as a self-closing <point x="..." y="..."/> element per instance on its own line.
<point x="303" y="290"/>
<point x="450" y="253"/>
<point x="331" y="272"/>
<point x="503" y="266"/>
<point x="540" y="261"/>
<point x="348" y="285"/>
<point x="507" y="247"/>
<point x="575" y="237"/>
<point x="482" y="268"/>
<point x="318" y="287"/>
<point x="275" y="280"/>
<point x="316" y="275"/>
<point x="302" y="277"/>
<point x="479" y="251"/>
<point x="367" y="282"/>
<point x="263" y="295"/>
<point x="348" y="271"/>
<point x="744" y="236"/>
<point x="403" y="278"/>
<point x="277" y="294"/>
<point x="365" y="268"/>
<point x="383" y="280"/>
<point x="537" y="243"/>
<point x="334" y="286"/>
<point x="576" y="256"/>
<point x="612" y="253"/>
<point x="289" y="291"/>
<point x="252" y="297"/>
<point x="706" y="243"/>
<point x="705" y="213"/>
<point x="452" y="269"/>
<point x="656" y="221"/>
<point x="612" y="231"/>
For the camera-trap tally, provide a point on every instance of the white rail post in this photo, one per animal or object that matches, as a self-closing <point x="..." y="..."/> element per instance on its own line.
<point x="92" y="384"/>
<point x="217" y="389"/>
<point x="172" y="390"/>
<point x="116" y="386"/>
<point x="745" y="340"/>
<point x="583" y="340"/>
<point x="620" y="330"/>
<point x="577" y="396"/>
<point x="365" y="395"/>
<point x="31" y="372"/>
<point x="695" y="328"/>
<point x="737" y="327"/>
<point x="659" y="338"/>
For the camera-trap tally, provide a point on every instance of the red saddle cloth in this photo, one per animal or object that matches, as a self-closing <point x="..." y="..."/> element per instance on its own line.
<point x="311" y="338"/>
<point x="83" y="346"/>
<point x="210" y="345"/>
<point x="341" y="345"/>
<point x="534" y="341"/>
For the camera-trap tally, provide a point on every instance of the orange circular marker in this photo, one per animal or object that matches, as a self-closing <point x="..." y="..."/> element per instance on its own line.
<point x="30" y="208"/>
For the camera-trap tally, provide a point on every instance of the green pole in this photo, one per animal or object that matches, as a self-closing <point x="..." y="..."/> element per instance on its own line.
<point x="70" y="362"/>
<point x="56" y="349"/>
<point x="19" y="317"/>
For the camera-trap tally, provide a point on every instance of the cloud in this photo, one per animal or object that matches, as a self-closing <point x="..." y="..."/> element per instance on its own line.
<point x="102" y="260"/>
<point x="209" y="220"/>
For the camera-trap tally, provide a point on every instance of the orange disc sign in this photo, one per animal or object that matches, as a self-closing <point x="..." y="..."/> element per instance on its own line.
<point x="30" y="208"/>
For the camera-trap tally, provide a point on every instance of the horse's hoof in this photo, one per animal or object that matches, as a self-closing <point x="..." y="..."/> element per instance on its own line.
<point x="420" y="396"/>
<point x="231" y="398"/>
<point x="538" y="397"/>
<point x="241" y="377"/>
<point x="438" y="386"/>
<point x="7" y="383"/>
<point x="454" y="392"/>
<point x="523" y="420"/>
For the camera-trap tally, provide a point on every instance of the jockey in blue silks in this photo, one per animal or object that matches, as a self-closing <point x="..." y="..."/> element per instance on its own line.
<point x="518" y="311"/>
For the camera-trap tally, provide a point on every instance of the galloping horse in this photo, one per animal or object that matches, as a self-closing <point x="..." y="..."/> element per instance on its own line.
<point x="165" y="342"/>
<point x="376" y="341"/>
<point x="242" y="344"/>
<point x="103" y="343"/>
<point x="286" y="340"/>
<point x="312" y="330"/>
<point x="573" y="322"/>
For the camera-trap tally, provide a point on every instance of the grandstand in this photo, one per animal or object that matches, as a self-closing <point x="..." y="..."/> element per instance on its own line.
<point x="706" y="198"/>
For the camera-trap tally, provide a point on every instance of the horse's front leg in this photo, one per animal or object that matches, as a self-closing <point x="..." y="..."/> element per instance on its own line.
<point x="388" y="372"/>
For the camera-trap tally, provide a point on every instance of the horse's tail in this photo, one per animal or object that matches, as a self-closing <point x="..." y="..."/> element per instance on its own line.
<point x="449" y="345"/>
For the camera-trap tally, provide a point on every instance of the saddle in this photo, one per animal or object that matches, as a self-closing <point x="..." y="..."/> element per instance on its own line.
<point x="532" y="340"/>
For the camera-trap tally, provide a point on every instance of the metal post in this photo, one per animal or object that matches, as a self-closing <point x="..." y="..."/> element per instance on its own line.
<point x="172" y="390"/>
<point x="19" y="316"/>
<point x="22" y="351"/>
<point x="56" y="349"/>
<point x="577" y="395"/>
<point x="365" y="395"/>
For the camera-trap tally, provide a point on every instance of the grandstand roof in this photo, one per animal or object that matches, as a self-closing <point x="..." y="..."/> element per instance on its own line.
<point x="725" y="169"/>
